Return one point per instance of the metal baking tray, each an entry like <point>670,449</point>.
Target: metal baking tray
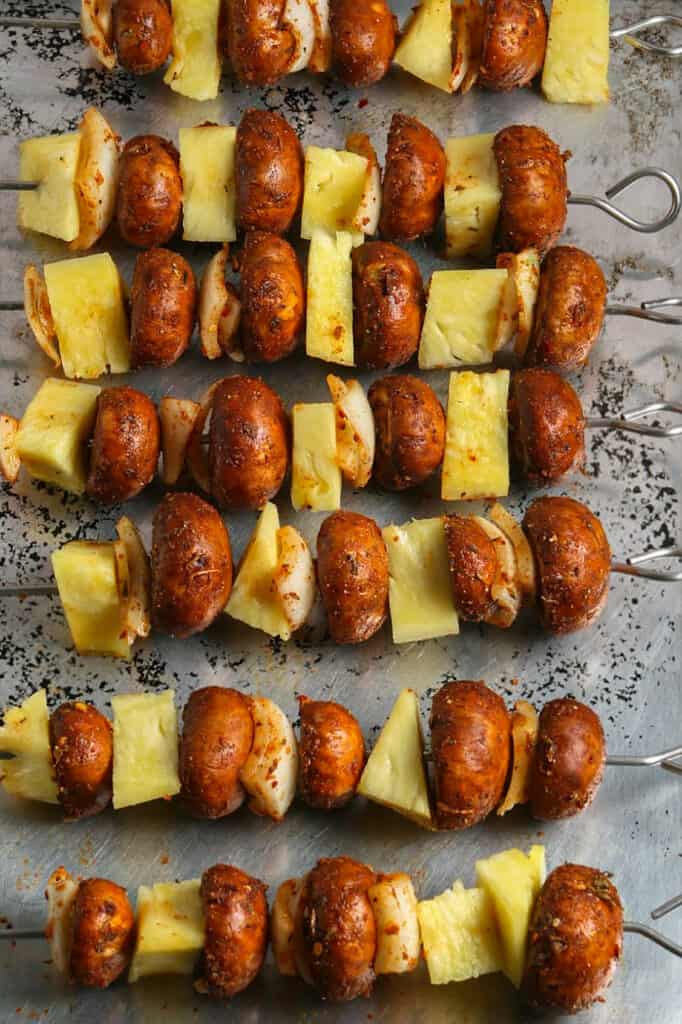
<point>627,667</point>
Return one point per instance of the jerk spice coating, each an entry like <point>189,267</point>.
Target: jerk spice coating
<point>269,162</point>
<point>410,431</point>
<point>363,40</point>
<point>149,203</point>
<point>532,172</point>
<point>572,561</point>
<point>191,565</point>
<point>102,933</point>
<point>570,310</point>
<point>163,306</point>
<point>546,425</point>
<point>575,940</point>
<point>236,916</point>
<point>259,44</point>
<point>143,34</point>
<point>82,749</point>
<point>568,761</point>
<point>272,296</point>
<point>514,43</point>
<point>352,574</point>
<point>217,735</point>
<point>125,445</point>
<point>388,306</point>
<point>414,178</point>
<point>471,748</point>
<point>473,565</point>
<point>331,751</point>
<point>335,930</point>
<point>249,441</point>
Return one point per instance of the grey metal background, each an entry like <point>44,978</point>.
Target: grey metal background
<point>627,667</point>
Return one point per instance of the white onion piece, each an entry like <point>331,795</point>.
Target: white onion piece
<point>355,435</point>
<point>321,58</point>
<point>138,613</point>
<point>177,417</point>
<point>219,311</point>
<point>197,451</point>
<point>10,463</point>
<point>270,771</point>
<point>282,926</point>
<point>505,590</point>
<point>368,212</point>
<point>39,314</point>
<point>60,893</point>
<point>299,16</point>
<point>98,32</point>
<point>96,178</point>
<point>294,579</point>
<point>525,563</point>
<point>394,905</point>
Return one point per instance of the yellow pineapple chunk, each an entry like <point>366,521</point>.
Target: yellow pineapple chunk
<point>395,775</point>
<point>333,191</point>
<point>512,880</point>
<point>425,49</point>
<point>88,584</point>
<point>52,208</point>
<point>524,727</point>
<point>419,591</point>
<point>315,471</point>
<point>329,317</point>
<point>253,599</point>
<point>195,69</point>
<point>208,183</point>
<point>54,430</point>
<point>88,309</point>
<point>459,935</point>
<point>170,929</point>
<point>476,462</point>
<point>472,196</point>
<point>576,68</point>
<point>145,748</point>
<point>25,733</point>
<point>463,314</point>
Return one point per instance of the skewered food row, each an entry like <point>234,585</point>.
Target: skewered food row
<point>466,567</point>
<point>558,938</point>
<point>500,44</point>
<point>233,748</point>
<point>238,442</point>
<point>506,191</point>
<point>363,306</point>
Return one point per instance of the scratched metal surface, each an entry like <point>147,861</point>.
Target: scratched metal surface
<point>627,667</point>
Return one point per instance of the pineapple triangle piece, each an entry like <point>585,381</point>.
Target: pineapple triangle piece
<point>25,733</point>
<point>395,775</point>
<point>513,880</point>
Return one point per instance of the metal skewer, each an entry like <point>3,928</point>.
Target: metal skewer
<point>648,310</point>
<point>665,908</point>
<point>647,227</point>
<point>631,32</point>
<point>49,24</point>
<point>629,420</point>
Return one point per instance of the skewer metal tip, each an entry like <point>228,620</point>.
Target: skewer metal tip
<point>630,33</point>
<point>635,566</point>
<point>20,934</point>
<point>646,227</point>
<point>635,928</point>
<point>629,421</point>
<point>667,907</point>
<point>47,24</point>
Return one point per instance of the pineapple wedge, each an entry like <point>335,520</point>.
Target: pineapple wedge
<point>170,929</point>
<point>52,208</point>
<point>329,318</point>
<point>395,775</point>
<point>88,584</point>
<point>88,309</point>
<point>459,935</point>
<point>425,49</point>
<point>145,748</point>
<point>394,906</point>
<point>417,553</point>
<point>208,183</point>
<point>195,68</point>
<point>333,192</point>
<point>576,68</point>
<point>315,471</point>
<point>54,431</point>
<point>512,880</point>
<point>464,313</point>
<point>524,726</point>
<point>472,196</point>
<point>476,462</point>
<point>275,585</point>
<point>25,733</point>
